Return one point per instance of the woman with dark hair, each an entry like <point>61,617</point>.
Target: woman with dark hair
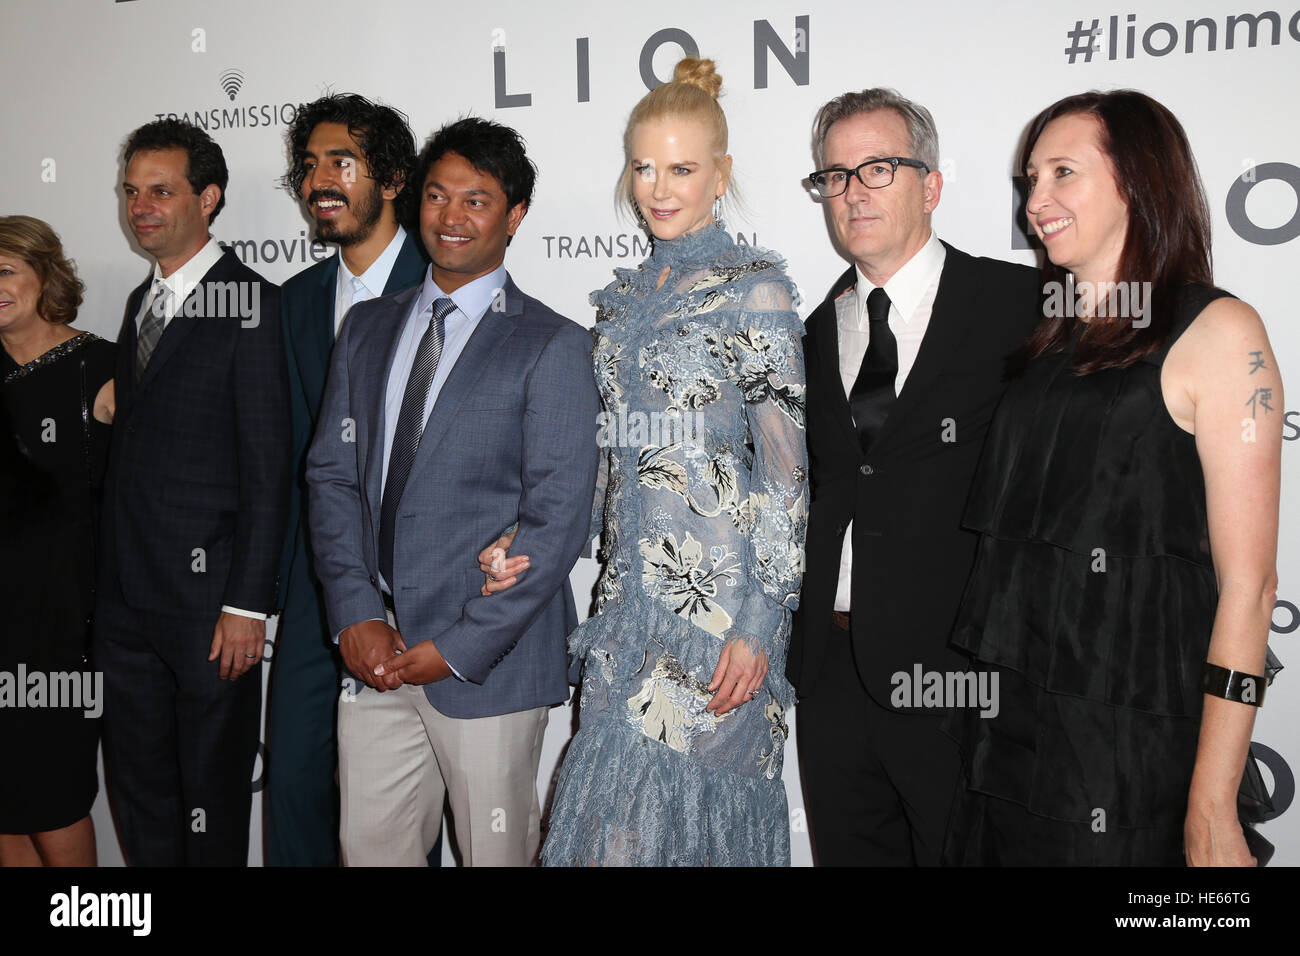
<point>1127,502</point>
<point>57,391</point>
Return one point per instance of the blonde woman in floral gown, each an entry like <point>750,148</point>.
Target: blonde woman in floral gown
<point>702,503</point>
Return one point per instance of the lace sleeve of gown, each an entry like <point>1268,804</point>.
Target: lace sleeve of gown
<point>769,370</point>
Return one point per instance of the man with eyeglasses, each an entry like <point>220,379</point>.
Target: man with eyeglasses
<point>905,361</point>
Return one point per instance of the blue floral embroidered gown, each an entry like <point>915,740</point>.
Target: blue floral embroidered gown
<point>702,502</point>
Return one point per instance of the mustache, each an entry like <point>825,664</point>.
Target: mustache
<point>318,194</point>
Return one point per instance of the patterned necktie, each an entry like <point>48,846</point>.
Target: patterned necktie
<point>410,426</point>
<point>873,391</point>
<point>151,326</point>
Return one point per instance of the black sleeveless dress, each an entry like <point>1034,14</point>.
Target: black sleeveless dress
<point>51,467</point>
<point>1092,598</point>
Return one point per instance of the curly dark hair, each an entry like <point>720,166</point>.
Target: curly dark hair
<point>34,242</point>
<point>382,132</point>
<point>206,165</point>
<point>490,148</point>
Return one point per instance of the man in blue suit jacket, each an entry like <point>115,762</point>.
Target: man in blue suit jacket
<point>349,161</point>
<point>453,411</point>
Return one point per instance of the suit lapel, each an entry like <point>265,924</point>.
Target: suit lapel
<point>492,329</point>
<point>313,325</point>
<point>126,342</point>
<point>375,353</point>
<point>828,357</point>
<point>408,269</point>
<point>949,322</point>
<point>181,325</point>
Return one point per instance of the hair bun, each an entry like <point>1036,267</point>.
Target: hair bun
<point>700,73</point>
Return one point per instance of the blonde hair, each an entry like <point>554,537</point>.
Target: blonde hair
<point>692,93</point>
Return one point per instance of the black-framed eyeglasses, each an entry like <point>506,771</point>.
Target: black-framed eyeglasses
<point>874,174</point>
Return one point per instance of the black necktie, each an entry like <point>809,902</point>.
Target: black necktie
<point>410,426</point>
<point>873,391</point>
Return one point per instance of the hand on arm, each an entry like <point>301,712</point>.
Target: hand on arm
<point>510,567</point>
<point>1224,373</point>
<point>500,568</point>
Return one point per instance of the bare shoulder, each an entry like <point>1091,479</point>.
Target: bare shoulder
<point>1224,323</point>
<point>1224,358</point>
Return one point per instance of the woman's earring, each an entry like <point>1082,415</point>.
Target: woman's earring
<point>636,211</point>
<point>717,212</point>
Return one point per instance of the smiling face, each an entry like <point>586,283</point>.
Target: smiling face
<point>465,221</point>
<point>675,176</point>
<point>881,228</point>
<point>340,194</point>
<point>169,219</point>
<point>1074,202</point>
<point>20,294</point>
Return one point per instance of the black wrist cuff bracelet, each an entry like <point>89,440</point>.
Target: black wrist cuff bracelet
<point>1233,685</point>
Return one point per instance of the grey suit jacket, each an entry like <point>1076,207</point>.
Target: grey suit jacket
<point>512,437</point>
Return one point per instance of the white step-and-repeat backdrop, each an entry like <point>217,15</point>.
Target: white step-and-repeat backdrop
<point>78,75</point>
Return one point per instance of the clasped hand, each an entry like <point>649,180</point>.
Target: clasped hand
<point>376,653</point>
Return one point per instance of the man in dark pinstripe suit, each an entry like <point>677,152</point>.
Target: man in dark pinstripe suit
<point>195,505</point>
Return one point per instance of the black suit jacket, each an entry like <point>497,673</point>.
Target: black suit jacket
<point>307,314</point>
<point>195,499</point>
<point>905,497</point>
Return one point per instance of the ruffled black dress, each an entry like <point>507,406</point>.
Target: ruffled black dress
<point>1093,598</point>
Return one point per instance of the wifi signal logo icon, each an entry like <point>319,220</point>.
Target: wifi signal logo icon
<point>232,81</point>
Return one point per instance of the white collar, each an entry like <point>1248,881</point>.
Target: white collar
<point>908,286</point>
<point>376,277</point>
<point>186,279</point>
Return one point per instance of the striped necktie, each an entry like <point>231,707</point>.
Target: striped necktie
<point>410,426</point>
<point>151,326</point>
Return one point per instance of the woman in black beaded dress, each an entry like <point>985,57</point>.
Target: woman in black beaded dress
<point>1127,502</point>
<point>57,390</point>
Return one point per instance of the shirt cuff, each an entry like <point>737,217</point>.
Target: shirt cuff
<point>255,615</point>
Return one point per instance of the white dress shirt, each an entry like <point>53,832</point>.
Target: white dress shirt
<point>178,286</point>
<point>181,282</point>
<point>911,292</point>
<point>350,289</point>
<point>472,302</point>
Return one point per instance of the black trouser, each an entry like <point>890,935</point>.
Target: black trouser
<point>879,784</point>
<point>179,742</point>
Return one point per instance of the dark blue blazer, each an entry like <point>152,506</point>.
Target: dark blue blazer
<point>307,314</point>
<point>196,495</point>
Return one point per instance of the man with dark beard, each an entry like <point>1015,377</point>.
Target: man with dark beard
<point>349,162</point>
